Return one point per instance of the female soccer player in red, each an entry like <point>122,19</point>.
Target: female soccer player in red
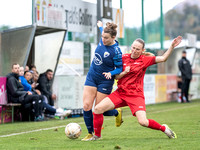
<point>130,88</point>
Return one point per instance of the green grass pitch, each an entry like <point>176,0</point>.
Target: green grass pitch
<point>184,119</point>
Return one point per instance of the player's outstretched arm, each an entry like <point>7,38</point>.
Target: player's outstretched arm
<point>165,56</point>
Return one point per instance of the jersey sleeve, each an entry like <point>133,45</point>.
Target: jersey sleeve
<point>149,60</point>
<point>117,59</point>
<point>101,29</point>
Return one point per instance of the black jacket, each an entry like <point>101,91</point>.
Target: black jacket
<point>185,68</point>
<point>44,85</point>
<point>15,90</point>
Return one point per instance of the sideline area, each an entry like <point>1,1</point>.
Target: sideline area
<point>186,106</point>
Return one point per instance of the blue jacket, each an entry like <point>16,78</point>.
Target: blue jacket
<point>24,82</point>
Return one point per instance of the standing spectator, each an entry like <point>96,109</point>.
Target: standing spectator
<point>186,75</point>
<point>17,94</point>
<point>45,83</point>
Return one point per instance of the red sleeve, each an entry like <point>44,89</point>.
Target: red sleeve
<point>149,60</point>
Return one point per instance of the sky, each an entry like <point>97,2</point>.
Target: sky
<point>16,13</point>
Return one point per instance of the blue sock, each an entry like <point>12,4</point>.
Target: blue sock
<point>113,112</point>
<point>88,118</point>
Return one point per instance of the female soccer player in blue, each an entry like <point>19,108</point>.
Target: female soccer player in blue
<point>106,64</point>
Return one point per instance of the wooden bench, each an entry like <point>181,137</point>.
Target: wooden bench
<point>12,105</point>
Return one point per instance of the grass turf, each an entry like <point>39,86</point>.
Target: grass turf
<point>184,119</point>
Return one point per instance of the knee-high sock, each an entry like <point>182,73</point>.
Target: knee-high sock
<point>155,125</point>
<point>98,122</point>
<point>113,112</point>
<point>88,118</point>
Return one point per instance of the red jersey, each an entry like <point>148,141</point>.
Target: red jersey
<point>132,82</point>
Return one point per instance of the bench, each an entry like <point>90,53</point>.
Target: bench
<point>12,105</point>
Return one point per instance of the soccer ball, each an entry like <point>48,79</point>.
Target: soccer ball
<point>73,130</point>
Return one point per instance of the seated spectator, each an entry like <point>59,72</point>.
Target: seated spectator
<point>46,107</point>
<point>17,94</point>
<point>45,83</point>
<point>26,68</point>
<point>32,68</point>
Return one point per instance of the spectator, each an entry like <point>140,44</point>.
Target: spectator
<point>45,83</point>
<point>36,76</point>
<point>186,76</point>
<point>26,68</point>
<point>33,68</point>
<point>49,110</point>
<point>17,94</point>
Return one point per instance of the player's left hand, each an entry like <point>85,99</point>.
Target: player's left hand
<point>176,41</point>
<point>107,75</point>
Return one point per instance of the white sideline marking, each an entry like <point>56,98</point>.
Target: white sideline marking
<point>31,131</point>
<point>13,134</point>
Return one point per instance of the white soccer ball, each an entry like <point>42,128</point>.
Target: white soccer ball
<point>73,130</point>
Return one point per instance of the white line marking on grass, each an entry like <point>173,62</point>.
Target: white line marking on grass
<point>13,134</point>
<point>31,131</point>
<point>25,132</point>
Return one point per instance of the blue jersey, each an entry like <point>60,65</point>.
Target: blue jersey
<point>106,59</point>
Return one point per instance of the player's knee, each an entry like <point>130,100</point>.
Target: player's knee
<point>87,106</point>
<point>98,110</point>
<point>143,122</point>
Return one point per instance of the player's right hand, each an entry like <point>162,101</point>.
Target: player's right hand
<point>99,23</point>
<point>127,69</point>
<point>107,75</point>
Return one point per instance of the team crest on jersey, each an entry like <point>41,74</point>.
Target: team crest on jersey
<point>106,54</point>
<point>97,59</point>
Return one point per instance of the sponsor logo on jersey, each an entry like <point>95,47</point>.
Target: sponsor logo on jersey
<point>97,59</point>
<point>141,107</point>
<point>106,54</point>
<point>104,89</point>
<point>136,63</point>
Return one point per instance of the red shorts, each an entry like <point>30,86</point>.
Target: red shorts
<point>135,103</point>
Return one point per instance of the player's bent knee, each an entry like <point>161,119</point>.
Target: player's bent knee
<point>87,107</point>
<point>143,123</point>
<point>98,110</point>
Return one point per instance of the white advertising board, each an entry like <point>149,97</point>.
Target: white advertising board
<point>70,91</point>
<point>149,89</point>
<point>75,16</point>
<point>71,59</point>
<point>47,14</point>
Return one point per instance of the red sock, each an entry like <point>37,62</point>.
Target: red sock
<point>155,125</point>
<point>98,122</point>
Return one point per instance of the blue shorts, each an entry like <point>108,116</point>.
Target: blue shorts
<point>103,86</point>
